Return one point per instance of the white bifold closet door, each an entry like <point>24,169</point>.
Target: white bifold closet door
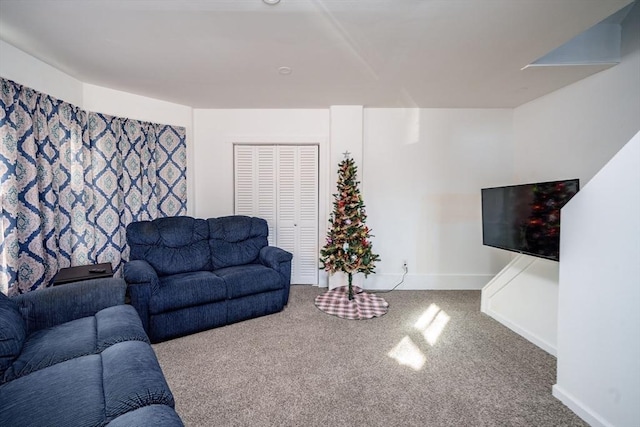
<point>280,184</point>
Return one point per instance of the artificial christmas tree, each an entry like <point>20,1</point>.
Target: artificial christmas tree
<point>348,249</point>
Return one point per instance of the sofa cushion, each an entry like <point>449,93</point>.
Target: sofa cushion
<point>249,279</point>
<point>236,240</point>
<point>80,337</point>
<point>54,345</point>
<point>186,290</point>
<point>88,390</point>
<point>171,245</point>
<point>66,394</point>
<point>13,331</point>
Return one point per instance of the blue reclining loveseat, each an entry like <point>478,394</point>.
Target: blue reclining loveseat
<point>186,275</point>
<point>75,355</point>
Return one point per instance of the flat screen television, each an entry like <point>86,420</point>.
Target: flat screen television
<point>526,218</point>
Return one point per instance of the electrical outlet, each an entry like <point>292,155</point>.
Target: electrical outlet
<point>404,266</point>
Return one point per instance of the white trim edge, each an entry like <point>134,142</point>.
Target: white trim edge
<point>578,407</point>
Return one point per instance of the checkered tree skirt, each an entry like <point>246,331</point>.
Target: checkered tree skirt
<point>362,306</point>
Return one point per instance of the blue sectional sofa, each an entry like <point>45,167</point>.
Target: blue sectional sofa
<point>186,275</point>
<point>75,355</point>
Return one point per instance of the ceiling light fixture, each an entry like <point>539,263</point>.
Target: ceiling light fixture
<point>271,2</point>
<point>284,71</point>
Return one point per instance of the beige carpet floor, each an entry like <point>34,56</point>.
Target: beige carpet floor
<point>432,360</point>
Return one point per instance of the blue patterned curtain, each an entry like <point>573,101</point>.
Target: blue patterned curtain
<point>71,182</point>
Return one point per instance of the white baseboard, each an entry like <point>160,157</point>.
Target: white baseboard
<point>385,282</point>
<point>578,408</point>
<point>524,333</point>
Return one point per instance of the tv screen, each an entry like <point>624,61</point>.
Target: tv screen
<point>526,218</point>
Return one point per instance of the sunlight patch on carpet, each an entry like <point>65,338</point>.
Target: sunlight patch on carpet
<point>408,354</point>
<point>432,323</point>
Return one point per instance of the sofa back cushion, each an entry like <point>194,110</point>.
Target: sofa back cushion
<point>13,331</point>
<point>236,240</point>
<point>171,245</point>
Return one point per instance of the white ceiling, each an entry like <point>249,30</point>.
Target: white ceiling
<point>376,53</point>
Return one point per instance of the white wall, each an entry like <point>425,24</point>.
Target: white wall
<point>31,72</point>
<point>124,104</point>
<point>570,133</point>
<point>599,314</point>
<point>217,130</point>
<point>574,131</point>
<point>424,169</point>
<point>415,199</point>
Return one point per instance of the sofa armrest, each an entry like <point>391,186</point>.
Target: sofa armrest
<point>280,261</point>
<point>272,256</point>
<point>55,305</point>
<point>142,282</point>
<point>139,271</point>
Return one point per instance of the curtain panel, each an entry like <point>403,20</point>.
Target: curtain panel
<point>72,180</point>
